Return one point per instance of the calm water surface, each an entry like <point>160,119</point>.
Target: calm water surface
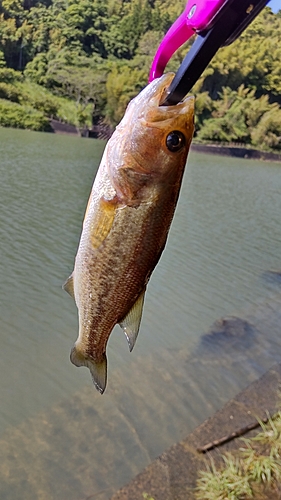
<point>225,237</point>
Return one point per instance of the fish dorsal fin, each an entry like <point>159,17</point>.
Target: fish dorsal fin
<point>131,322</point>
<point>69,286</point>
<point>98,369</point>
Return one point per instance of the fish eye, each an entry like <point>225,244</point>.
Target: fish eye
<point>175,141</point>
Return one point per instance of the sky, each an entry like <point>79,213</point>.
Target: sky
<point>275,5</point>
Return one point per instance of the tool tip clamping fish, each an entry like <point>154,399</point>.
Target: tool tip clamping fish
<point>216,23</point>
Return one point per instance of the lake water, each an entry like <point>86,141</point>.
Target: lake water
<point>58,437</point>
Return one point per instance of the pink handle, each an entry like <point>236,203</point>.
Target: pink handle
<point>174,38</point>
<point>198,15</point>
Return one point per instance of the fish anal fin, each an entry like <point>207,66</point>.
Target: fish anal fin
<point>98,369</point>
<point>68,286</point>
<point>131,322</point>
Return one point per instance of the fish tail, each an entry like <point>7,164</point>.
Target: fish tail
<point>98,369</point>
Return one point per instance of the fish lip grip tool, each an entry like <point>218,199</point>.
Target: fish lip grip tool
<point>217,23</point>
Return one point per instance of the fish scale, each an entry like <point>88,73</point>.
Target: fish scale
<point>127,221</point>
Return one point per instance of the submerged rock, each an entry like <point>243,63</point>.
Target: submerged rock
<point>272,276</point>
<point>230,331</point>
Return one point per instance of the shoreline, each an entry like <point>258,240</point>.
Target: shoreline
<point>175,471</point>
<point>104,133</point>
<point>236,152</point>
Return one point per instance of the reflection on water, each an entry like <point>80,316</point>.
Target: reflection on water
<point>59,437</point>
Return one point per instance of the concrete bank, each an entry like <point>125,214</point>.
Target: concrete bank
<point>238,152</point>
<point>173,475</point>
<point>104,132</point>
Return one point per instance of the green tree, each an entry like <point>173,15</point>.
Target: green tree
<point>267,134</point>
<point>82,85</point>
<point>122,85</point>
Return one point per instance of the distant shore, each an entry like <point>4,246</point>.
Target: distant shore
<point>236,151</point>
<point>103,132</point>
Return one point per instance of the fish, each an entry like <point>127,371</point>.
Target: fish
<point>127,220</point>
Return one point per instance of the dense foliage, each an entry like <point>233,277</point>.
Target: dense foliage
<point>81,61</point>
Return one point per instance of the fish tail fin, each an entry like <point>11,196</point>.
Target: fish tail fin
<point>98,369</point>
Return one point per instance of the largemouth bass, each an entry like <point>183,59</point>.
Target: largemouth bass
<point>127,220</point>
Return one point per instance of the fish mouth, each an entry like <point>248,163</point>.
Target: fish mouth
<point>163,92</point>
<point>146,107</point>
<point>157,112</point>
<point>164,95</point>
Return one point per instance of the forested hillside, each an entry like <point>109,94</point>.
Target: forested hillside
<point>81,61</point>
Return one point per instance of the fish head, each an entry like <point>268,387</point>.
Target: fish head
<point>151,143</point>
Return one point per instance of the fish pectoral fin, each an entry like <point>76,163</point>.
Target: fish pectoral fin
<point>131,323</point>
<point>68,286</point>
<point>98,369</point>
<point>102,223</point>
